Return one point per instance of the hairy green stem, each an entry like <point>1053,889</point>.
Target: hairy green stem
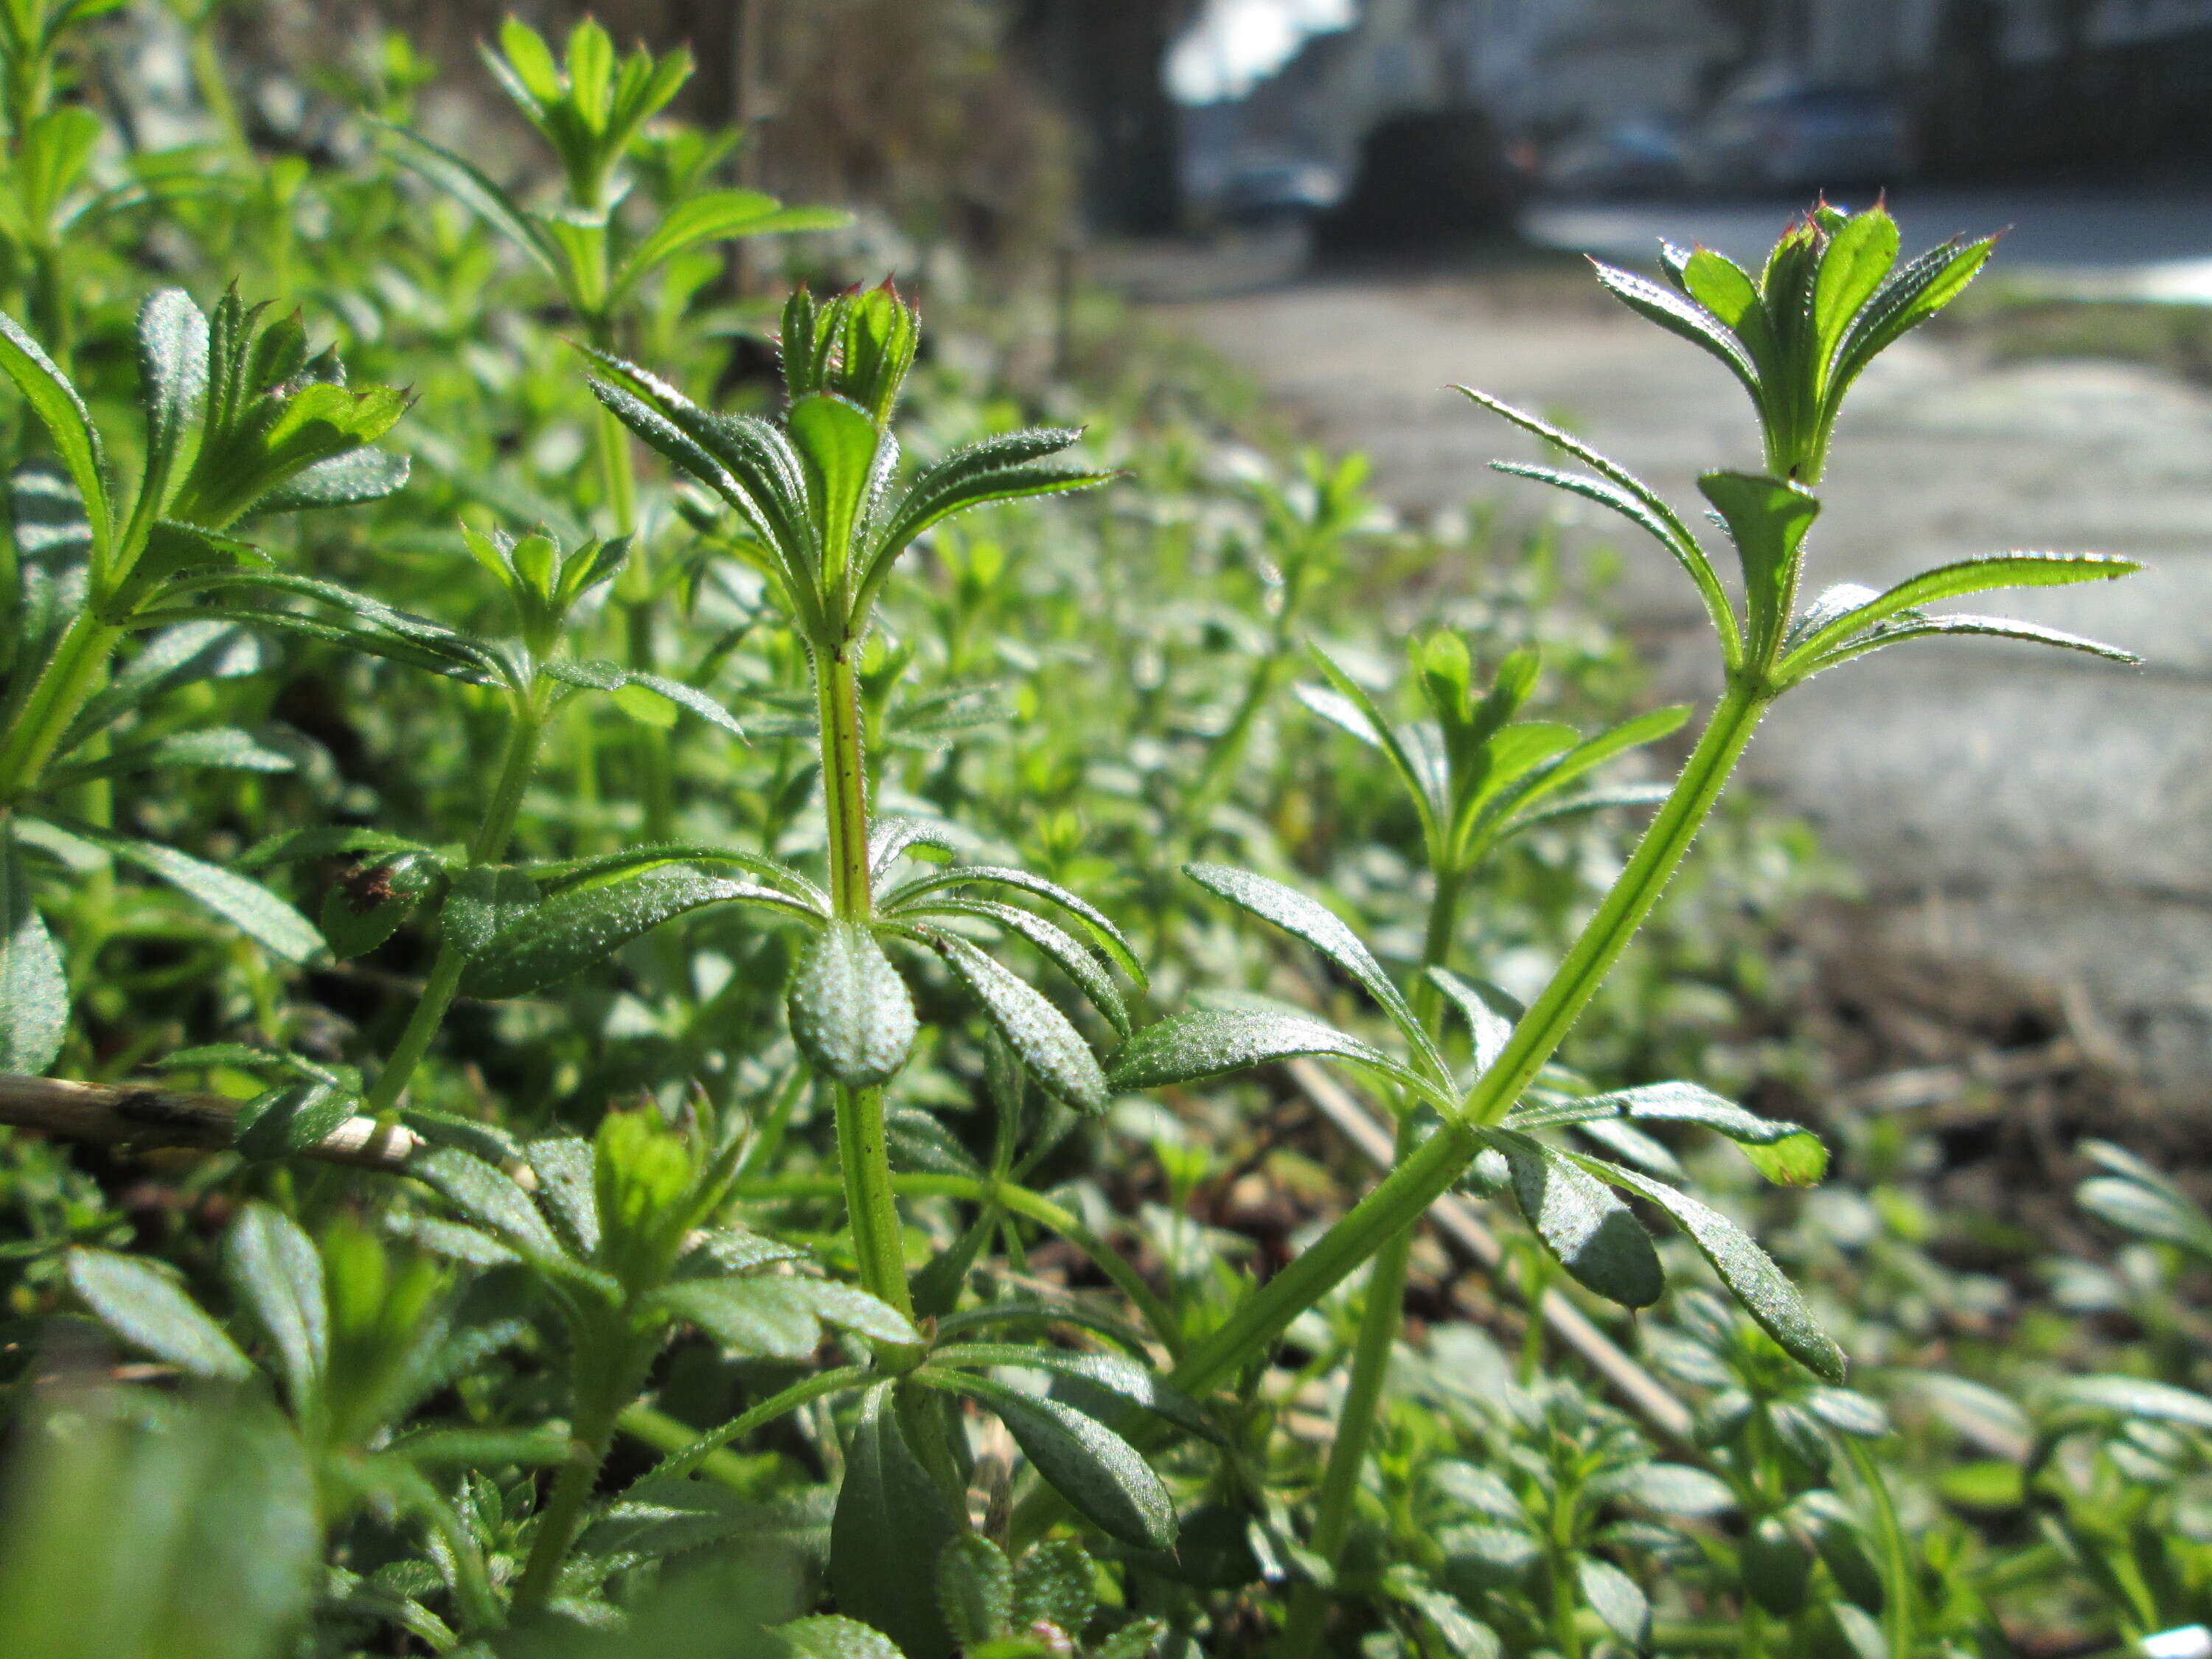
<point>844,778</point>
<point>68,678</point>
<point>688,1449</point>
<point>485,846</point>
<point>1221,760</point>
<point>863,1151</point>
<point>870,1201</point>
<point>1417,1182</point>
<point>610,442</point>
<point>590,1434</point>
<point>1380,1322</point>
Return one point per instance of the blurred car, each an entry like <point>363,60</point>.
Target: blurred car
<point>1645,156</point>
<point>1800,138</point>
<point>1274,192</point>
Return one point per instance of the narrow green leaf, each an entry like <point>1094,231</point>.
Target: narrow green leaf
<point>851,1309</point>
<point>2140,1199</point>
<point>360,475</point>
<point>1596,1236</point>
<point>1857,260</point>
<point>851,1014</point>
<point>1767,520</point>
<point>1676,533</point>
<point>1339,711</point>
<point>482,902</point>
<point>454,659</point>
<point>1423,783</point>
<point>599,675</point>
<point>570,932</point>
<point>1848,1412</point>
<point>469,185</point>
<point>67,422</point>
<point>719,216</point>
<point>248,906</point>
<point>1585,757</point>
<point>833,1636</point>
<point>1669,1488</point>
<point>837,442</point>
<point>1490,1029</point>
<point>566,1185</point>
<point>1950,581</point>
<point>1746,1269</point>
<point>220,748</point>
<point>1052,1050</point>
<point>1915,292</point>
<point>1617,1599</point>
<point>1595,800</point>
<point>1000,469</point>
<point>530,62</point>
<point>277,1276</point>
<point>488,1196</point>
<point>145,1309</point>
<point>1109,937</point>
<point>1104,1477</point>
<point>1921,627</point>
<point>890,839</point>
<point>1781,1151</point>
<point>1319,926</point>
<point>556,876</point>
<point>892,1525</point>
<point>1112,1373</point>
<point>688,697</point>
<point>1725,288</point>
<point>34,994</point>
<point>1687,554</point>
<point>1210,1043</point>
<point>974,1590</point>
<point>1681,316</point>
<point>192,651</point>
<point>758,1317</point>
<point>2133,1396</point>
<point>173,368</point>
<point>1072,956</point>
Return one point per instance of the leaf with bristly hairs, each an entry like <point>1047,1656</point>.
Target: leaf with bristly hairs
<point>1595,1236</point>
<point>145,1308</point>
<point>1051,1048</point>
<point>1747,1271</point>
<point>1321,927</point>
<point>1210,1043</point>
<point>851,1014</point>
<point>1104,1477</point>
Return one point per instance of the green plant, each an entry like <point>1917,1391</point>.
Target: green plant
<point>1766,649</point>
<point>239,421</point>
<point>578,1364</point>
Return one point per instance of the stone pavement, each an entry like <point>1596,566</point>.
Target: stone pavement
<point>2038,809</point>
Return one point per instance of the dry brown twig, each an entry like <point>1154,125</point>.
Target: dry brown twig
<point>144,1117</point>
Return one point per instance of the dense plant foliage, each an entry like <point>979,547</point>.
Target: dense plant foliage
<point>648,1026</point>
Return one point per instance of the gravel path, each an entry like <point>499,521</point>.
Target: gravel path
<point>2040,810</point>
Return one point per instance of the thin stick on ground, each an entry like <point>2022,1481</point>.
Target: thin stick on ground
<point>143,1115</point>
